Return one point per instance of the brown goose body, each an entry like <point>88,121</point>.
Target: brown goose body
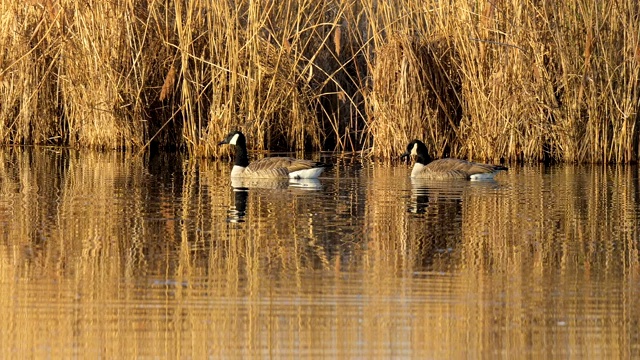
<point>445,169</point>
<point>277,167</point>
<point>271,167</point>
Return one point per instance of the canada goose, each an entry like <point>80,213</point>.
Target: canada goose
<point>444,169</point>
<point>270,167</point>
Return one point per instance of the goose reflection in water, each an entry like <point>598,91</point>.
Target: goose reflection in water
<point>427,194</point>
<point>241,188</point>
<point>436,215</point>
<point>237,212</point>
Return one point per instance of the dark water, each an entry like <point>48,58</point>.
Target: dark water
<point>113,256</point>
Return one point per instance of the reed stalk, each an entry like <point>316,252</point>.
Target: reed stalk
<point>525,81</point>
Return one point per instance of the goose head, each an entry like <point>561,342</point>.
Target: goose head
<point>416,148</point>
<point>234,138</point>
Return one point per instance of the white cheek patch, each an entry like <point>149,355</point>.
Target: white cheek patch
<point>414,150</point>
<point>234,139</point>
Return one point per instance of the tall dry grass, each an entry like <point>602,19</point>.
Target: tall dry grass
<point>484,80</point>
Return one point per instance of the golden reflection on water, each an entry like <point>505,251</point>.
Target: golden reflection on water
<point>115,256</point>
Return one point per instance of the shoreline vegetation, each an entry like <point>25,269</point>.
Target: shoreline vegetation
<point>488,80</point>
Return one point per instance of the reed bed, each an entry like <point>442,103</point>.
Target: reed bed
<point>513,81</point>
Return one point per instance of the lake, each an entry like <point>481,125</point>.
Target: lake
<point>107,255</point>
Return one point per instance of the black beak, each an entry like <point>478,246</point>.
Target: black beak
<point>222,142</point>
<point>405,156</point>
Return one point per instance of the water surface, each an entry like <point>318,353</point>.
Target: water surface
<point>113,256</point>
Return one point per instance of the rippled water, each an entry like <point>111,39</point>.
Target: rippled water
<point>114,256</point>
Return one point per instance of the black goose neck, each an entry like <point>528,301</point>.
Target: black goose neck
<point>241,154</point>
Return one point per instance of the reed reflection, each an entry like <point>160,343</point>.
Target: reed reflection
<point>124,257</point>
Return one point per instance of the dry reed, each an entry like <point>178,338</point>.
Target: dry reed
<point>483,80</point>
